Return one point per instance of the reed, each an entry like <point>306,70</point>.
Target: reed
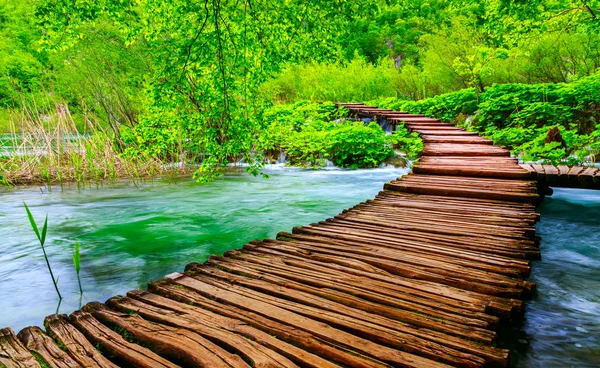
<point>50,150</point>
<point>42,239</point>
<point>77,264</point>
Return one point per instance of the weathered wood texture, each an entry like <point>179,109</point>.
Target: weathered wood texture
<point>564,176</point>
<point>420,276</point>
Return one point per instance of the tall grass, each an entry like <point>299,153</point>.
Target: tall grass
<point>50,149</point>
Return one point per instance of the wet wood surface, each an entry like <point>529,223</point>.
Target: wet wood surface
<point>423,275</point>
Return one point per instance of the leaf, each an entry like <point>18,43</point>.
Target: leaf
<point>32,222</point>
<point>44,231</point>
<point>77,258</point>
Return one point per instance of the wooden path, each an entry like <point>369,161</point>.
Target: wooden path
<point>420,276</point>
<point>546,175</point>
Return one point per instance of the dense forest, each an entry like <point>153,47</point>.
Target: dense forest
<point>138,84</point>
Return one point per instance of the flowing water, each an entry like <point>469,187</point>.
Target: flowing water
<point>131,235</point>
<point>562,322</point>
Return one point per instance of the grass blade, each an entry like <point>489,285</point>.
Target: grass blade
<point>77,257</point>
<point>44,231</point>
<point>32,222</point>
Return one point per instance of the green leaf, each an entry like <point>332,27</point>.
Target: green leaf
<point>44,231</point>
<point>77,258</point>
<point>32,222</point>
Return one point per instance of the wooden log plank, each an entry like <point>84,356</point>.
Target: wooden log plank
<point>34,339</point>
<point>487,285</point>
<point>121,349</point>
<point>377,236</point>
<point>420,267</point>
<point>410,209</point>
<point>343,268</point>
<point>385,337</point>
<point>460,240</point>
<point>12,352</point>
<point>563,175</point>
<point>461,192</point>
<point>447,132</point>
<point>185,347</point>
<point>470,171</point>
<point>342,354</point>
<point>586,178</point>
<point>74,343</point>
<point>521,267</point>
<point>364,346</point>
<point>447,225</point>
<point>352,307</point>
<point>532,172</point>
<point>551,173</point>
<point>480,202</point>
<point>420,203</point>
<point>574,175</point>
<point>465,323</point>
<point>166,311</point>
<point>472,258</point>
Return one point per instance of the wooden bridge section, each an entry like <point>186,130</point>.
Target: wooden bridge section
<point>420,276</point>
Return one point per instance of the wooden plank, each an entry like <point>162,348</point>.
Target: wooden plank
<point>349,307</point>
<point>574,175</point>
<point>114,344</point>
<point>166,311</point>
<point>342,270</point>
<point>586,178</point>
<point>12,352</point>
<point>231,295</point>
<point>189,348</point>
<point>551,174</point>
<point>461,192</point>
<point>34,339</point>
<point>342,354</point>
<point>74,343</point>
<point>470,323</point>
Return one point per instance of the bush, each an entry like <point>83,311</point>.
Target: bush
<point>310,133</point>
<point>353,145</point>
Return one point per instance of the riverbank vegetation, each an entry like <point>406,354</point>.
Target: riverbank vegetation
<point>552,122</point>
<point>152,86</point>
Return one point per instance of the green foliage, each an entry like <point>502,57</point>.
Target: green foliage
<point>310,133</point>
<point>191,81</point>
<point>519,116</point>
<point>354,145</point>
<point>356,80</point>
<point>77,264</point>
<point>404,140</point>
<point>42,239</point>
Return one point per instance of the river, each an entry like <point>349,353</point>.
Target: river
<point>130,235</point>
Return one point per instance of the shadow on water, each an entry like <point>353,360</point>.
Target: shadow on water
<point>561,327</point>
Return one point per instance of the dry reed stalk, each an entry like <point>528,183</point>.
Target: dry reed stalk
<point>52,151</point>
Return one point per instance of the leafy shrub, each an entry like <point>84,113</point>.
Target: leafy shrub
<point>355,145</point>
<point>310,133</point>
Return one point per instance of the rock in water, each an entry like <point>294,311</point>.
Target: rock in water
<point>397,161</point>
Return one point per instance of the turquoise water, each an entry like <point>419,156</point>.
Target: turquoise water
<point>562,322</point>
<point>131,235</point>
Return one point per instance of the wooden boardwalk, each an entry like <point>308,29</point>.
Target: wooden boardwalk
<point>420,276</point>
<point>435,133</point>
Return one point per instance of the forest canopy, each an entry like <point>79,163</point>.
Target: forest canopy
<point>196,80</point>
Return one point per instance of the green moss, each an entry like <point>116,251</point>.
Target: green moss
<point>41,361</point>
